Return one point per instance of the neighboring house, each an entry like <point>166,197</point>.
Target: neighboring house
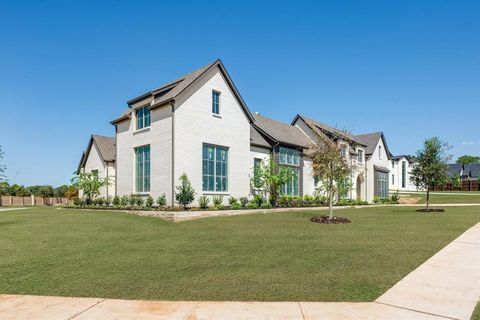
<point>400,168</point>
<point>465,171</point>
<point>199,124</point>
<point>100,156</point>
<point>352,150</point>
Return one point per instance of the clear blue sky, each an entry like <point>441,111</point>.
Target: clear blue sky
<point>408,68</point>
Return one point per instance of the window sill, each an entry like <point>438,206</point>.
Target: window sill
<point>141,130</point>
<point>214,193</point>
<point>141,194</point>
<point>216,116</point>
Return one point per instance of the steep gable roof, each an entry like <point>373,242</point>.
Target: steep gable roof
<point>371,141</point>
<point>281,132</point>
<point>173,89</point>
<point>106,147</point>
<point>326,129</point>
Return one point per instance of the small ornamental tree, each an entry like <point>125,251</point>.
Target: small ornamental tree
<point>430,168</point>
<point>456,181</point>
<point>268,179</point>
<point>185,193</point>
<point>90,183</point>
<point>331,167</point>
<point>71,192</point>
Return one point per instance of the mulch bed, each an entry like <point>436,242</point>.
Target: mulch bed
<point>430,210</point>
<point>327,220</point>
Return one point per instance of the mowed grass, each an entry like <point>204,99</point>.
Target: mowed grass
<point>261,257</point>
<point>439,198</point>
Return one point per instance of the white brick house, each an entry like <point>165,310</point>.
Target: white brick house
<point>199,124</point>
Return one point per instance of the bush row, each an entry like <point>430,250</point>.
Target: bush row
<point>135,202</point>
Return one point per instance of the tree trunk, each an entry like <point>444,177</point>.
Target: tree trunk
<point>428,198</point>
<point>330,205</point>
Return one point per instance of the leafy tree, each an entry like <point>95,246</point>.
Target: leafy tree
<point>430,169</point>
<point>185,193</point>
<point>268,180</point>
<point>4,187</point>
<point>456,181</point>
<point>331,168</point>
<point>59,192</point>
<point>71,192</point>
<point>18,191</point>
<point>2,166</point>
<point>90,183</point>
<point>46,191</point>
<point>466,159</point>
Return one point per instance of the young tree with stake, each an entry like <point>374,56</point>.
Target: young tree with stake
<point>430,168</point>
<point>331,167</point>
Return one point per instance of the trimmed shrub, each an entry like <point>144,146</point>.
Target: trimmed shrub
<point>124,201</point>
<point>132,200</point>
<point>236,206</point>
<point>243,202</point>
<point>266,205</point>
<point>203,202</point>
<point>217,200</point>
<point>139,201</point>
<point>376,199</point>
<point>162,201</point>
<point>149,202</point>
<point>395,197</point>
<point>258,200</point>
<point>252,205</point>
<point>232,201</point>
<point>220,207</point>
<point>116,201</point>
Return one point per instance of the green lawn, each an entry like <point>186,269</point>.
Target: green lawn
<point>267,257</point>
<point>436,198</point>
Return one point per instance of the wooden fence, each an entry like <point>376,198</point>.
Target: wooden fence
<point>468,185</point>
<point>33,201</point>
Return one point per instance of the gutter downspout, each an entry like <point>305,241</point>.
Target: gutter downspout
<point>172,104</point>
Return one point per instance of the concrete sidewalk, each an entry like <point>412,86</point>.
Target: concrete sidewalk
<point>447,286</point>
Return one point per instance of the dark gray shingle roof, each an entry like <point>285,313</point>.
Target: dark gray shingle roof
<point>282,132</point>
<point>257,139</point>
<point>171,90</point>
<point>370,140</point>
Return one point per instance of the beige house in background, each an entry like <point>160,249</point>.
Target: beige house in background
<point>100,156</point>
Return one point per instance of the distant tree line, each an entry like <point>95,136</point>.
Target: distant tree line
<point>63,191</point>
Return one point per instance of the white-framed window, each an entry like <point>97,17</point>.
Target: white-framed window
<point>215,102</point>
<point>343,151</point>
<point>142,169</point>
<point>257,162</point>
<point>360,156</point>
<point>143,117</point>
<point>214,168</point>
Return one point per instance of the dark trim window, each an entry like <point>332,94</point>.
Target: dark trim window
<point>291,188</point>
<point>215,102</point>
<point>289,156</point>
<point>393,179</point>
<point>143,117</point>
<point>256,171</point>
<point>214,168</point>
<point>360,156</point>
<point>142,169</point>
<point>382,184</point>
<point>404,174</point>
